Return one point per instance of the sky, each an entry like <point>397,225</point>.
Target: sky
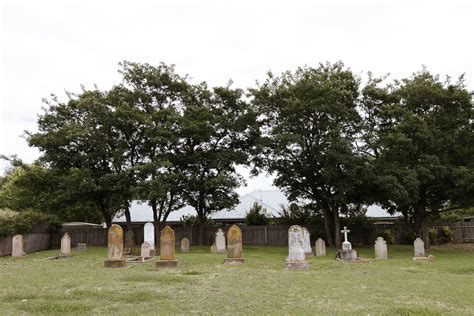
<point>49,47</point>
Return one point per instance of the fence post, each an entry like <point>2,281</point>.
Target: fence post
<point>266,235</point>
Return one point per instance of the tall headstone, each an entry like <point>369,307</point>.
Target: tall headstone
<point>149,236</point>
<point>66,245</point>
<point>220,241</point>
<point>296,253</point>
<point>307,242</point>
<point>184,245</point>
<point>167,249</point>
<point>17,246</point>
<point>320,248</point>
<point>419,246</point>
<point>234,246</point>
<point>115,248</point>
<point>380,248</point>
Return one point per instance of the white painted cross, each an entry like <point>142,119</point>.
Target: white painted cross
<point>345,231</point>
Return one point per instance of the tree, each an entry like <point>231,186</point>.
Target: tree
<point>311,127</point>
<point>257,215</point>
<point>418,133</point>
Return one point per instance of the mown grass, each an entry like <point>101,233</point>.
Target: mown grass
<point>202,284</point>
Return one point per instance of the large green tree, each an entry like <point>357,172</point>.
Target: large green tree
<point>311,127</point>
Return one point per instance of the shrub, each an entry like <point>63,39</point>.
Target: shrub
<point>432,234</point>
<point>192,220</point>
<point>257,215</point>
<point>23,222</point>
<point>445,235</point>
<point>388,236</point>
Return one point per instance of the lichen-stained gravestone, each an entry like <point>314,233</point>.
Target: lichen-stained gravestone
<point>234,246</point>
<point>380,248</point>
<point>167,249</point>
<point>17,246</point>
<point>66,245</point>
<point>320,248</point>
<point>220,241</point>
<point>115,248</point>
<point>296,253</point>
<point>184,247</point>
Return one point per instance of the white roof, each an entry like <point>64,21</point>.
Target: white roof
<point>271,201</point>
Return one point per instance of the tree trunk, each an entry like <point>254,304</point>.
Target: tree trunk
<point>157,223</point>
<point>108,221</point>
<point>420,223</point>
<point>337,229</point>
<point>128,220</point>
<point>328,227</point>
<point>201,222</point>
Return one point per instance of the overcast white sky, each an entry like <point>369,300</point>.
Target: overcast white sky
<point>53,46</point>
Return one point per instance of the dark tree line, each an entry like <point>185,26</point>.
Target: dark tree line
<point>331,142</point>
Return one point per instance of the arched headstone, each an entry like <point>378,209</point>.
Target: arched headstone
<point>17,246</point>
<point>167,249</point>
<point>115,248</point>
<point>380,248</point>
<point>184,245</point>
<point>296,253</point>
<point>66,245</point>
<point>234,246</point>
<point>320,248</point>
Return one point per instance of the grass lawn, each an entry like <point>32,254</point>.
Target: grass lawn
<point>399,286</point>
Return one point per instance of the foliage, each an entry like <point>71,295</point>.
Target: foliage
<point>192,220</point>
<point>445,235</point>
<point>388,236</point>
<point>432,234</point>
<point>257,215</point>
<point>22,223</point>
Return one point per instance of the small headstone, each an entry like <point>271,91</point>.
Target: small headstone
<point>307,242</point>
<point>149,236</point>
<point>380,248</point>
<point>220,241</point>
<point>145,251</point>
<point>296,253</point>
<point>17,246</point>
<point>115,248</point>
<point>66,245</point>
<point>234,246</point>
<point>320,248</point>
<point>167,249</point>
<point>81,246</point>
<point>419,246</point>
<point>213,249</point>
<point>184,245</point>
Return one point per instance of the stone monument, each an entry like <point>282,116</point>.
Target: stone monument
<point>167,249</point>
<point>346,253</point>
<point>17,246</point>
<point>296,253</point>
<point>234,246</point>
<point>380,249</point>
<point>145,252</point>
<point>115,248</point>
<point>320,246</point>
<point>184,245</point>
<point>220,241</point>
<point>149,236</point>
<point>65,245</point>
<point>307,242</point>
<point>419,246</point>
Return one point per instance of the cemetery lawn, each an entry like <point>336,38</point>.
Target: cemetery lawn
<point>80,284</point>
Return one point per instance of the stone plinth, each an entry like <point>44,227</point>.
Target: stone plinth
<point>347,254</point>
<point>167,263</point>
<point>234,261</point>
<point>114,263</point>
<point>297,265</point>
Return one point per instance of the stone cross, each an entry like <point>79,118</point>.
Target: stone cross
<point>345,231</point>
<point>346,245</point>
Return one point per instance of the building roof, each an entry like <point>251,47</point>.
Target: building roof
<point>271,201</point>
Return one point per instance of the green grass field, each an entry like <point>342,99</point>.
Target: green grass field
<point>399,286</point>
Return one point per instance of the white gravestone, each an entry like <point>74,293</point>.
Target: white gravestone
<point>307,242</point>
<point>145,250</point>
<point>66,245</point>
<point>220,241</point>
<point>149,234</point>
<point>17,246</point>
<point>320,248</point>
<point>346,245</point>
<point>419,247</point>
<point>296,255</point>
<point>380,248</point>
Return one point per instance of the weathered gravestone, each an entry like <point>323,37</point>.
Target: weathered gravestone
<point>213,249</point>
<point>65,245</point>
<point>184,245</point>
<point>307,242</point>
<point>149,236</point>
<point>115,248</point>
<point>234,246</point>
<point>320,247</point>
<point>167,249</point>
<point>145,252</point>
<point>220,241</point>
<point>419,246</point>
<point>380,248</point>
<point>296,253</point>
<point>17,246</point>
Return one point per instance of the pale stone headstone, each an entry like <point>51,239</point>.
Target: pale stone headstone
<point>380,248</point>
<point>234,246</point>
<point>419,246</point>
<point>346,245</point>
<point>213,249</point>
<point>17,246</point>
<point>149,234</point>
<point>296,251</point>
<point>307,242</point>
<point>66,245</point>
<point>320,248</point>
<point>220,241</point>
<point>167,249</point>
<point>184,245</point>
<point>115,248</point>
<point>145,250</point>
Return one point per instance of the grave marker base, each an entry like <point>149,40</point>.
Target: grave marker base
<point>234,261</point>
<point>118,263</point>
<point>167,263</point>
<point>297,265</point>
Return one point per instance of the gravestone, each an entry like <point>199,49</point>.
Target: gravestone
<point>81,246</point>
<point>296,253</point>
<point>17,246</point>
<point>220,241</point>
<point>65,245</point>
<point>380,248</point>
<point>145,251</point>
<point>149,236</point>
<point>184,245</point>
<point>167,249</point>
<point>346,253</point>
<point>129,243</point>
<point>419,246</point>
<point>346,245</point>
<point>307,242</point>
<point>115,248</point>
<point>320,247</point>
<point>234,246</point>
<point>213,249</point>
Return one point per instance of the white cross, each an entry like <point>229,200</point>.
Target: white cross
<point>345,231</point>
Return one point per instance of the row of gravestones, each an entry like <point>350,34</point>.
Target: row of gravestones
<point>18,246</point>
